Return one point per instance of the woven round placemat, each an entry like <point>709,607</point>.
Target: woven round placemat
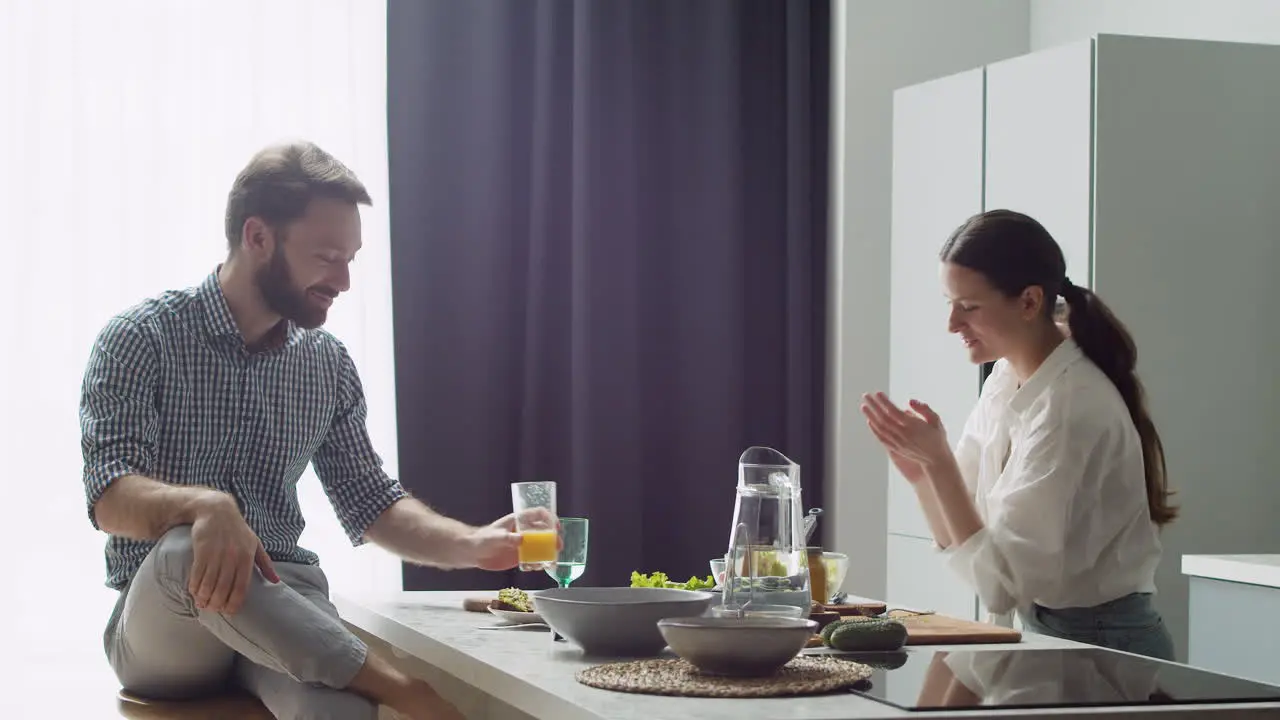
<point>800,676</point>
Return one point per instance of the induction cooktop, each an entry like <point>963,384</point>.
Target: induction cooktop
<point>923,679</point>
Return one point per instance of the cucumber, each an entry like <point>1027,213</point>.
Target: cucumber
<point>831,627</point>
<point>868,635</point>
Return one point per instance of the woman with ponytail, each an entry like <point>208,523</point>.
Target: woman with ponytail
<point>1051,501</point>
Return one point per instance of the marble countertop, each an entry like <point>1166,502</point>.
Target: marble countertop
<point>1251,569</point>
<point>525,669</point>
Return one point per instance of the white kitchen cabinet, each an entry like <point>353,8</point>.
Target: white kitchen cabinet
<point>1155,162</point>
<point>937,164</point>
<point>1230,596</point>
<point>919,579</point>
<point>1038,139</point>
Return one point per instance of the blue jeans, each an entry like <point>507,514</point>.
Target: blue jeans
<point>1130,624</point>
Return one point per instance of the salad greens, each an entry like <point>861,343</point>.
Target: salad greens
<point>660,580</point>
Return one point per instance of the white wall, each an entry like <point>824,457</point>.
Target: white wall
<point>1054,22</point>
<point>122,131</point>
<point>879,46</point>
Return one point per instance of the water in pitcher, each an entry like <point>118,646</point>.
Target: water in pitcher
<point>768,568</point>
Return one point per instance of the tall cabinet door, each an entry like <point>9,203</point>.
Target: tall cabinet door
<point>1187,228</point>
<point>937,184</point>
<point>1039,151</point>
<point>1040,145</point>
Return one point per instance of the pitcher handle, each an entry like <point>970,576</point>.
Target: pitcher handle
<point>741,541</point>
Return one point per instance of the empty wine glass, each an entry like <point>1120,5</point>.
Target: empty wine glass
<point>571,561</point>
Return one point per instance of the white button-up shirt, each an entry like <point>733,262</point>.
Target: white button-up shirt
<point>1056,471</point>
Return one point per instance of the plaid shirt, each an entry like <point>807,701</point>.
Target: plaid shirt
<point>172,393</point>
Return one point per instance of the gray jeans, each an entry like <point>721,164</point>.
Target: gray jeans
<point>1130,624</point>
<point>286,644</point>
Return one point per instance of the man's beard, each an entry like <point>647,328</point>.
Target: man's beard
<point>286,299</point>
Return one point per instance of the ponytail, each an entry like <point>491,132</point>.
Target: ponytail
<point>1105,341</point>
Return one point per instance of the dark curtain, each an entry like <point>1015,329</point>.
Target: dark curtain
<point>609,228</point>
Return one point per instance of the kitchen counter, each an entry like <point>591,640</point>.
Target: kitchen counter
<point>525,671</point>
<point>1261,570</point>
<point>1232,601</point>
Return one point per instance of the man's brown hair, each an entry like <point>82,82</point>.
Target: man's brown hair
<point>280,181</point>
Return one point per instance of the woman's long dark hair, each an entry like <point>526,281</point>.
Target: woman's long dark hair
<point>1014,252</point>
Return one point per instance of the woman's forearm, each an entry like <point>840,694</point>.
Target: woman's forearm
<point>958,513</point>
<point>932,512</point>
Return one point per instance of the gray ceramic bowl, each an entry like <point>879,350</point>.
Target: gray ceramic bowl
<point>740,647</point>
<point>617,621</point>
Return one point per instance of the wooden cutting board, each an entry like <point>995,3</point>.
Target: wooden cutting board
<point>932,629</point>
<point>945,630</point>
<point>860,607</point>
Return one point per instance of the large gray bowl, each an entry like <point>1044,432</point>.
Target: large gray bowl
<point>740,647</point>
<point>617,621</point>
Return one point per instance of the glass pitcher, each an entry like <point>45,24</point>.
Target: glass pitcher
<point>767,568</point>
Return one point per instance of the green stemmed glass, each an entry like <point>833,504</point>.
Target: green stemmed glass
<point>571,561</point>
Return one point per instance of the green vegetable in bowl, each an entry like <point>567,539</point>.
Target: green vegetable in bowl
<point>660,580</point>
<point>766,564</point>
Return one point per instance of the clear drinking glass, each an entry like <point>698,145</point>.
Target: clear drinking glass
<point>572,560</point>
<point>534,505</point>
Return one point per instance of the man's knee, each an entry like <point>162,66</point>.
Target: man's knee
<point>173,555</point>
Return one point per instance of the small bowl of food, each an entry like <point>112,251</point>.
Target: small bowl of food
<point>753,646</point>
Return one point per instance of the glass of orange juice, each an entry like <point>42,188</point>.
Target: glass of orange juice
<point>534,504</point>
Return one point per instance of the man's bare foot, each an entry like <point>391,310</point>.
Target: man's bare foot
<point>412,698</point>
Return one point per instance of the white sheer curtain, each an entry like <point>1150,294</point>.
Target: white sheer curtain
<point>123,125</point>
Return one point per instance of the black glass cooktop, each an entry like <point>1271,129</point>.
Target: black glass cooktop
<point>925,679</point>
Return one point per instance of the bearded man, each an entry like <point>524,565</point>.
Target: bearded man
<point>200,410</point>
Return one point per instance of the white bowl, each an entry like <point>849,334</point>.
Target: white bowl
<point>745,647</point>
<point>617,621</point>
<point>718,567</point>
<point>515,617</point>
<point>837,565</point>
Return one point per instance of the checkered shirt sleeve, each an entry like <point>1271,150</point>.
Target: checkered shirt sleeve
<point>117,415</point>
<point>349,468</point>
